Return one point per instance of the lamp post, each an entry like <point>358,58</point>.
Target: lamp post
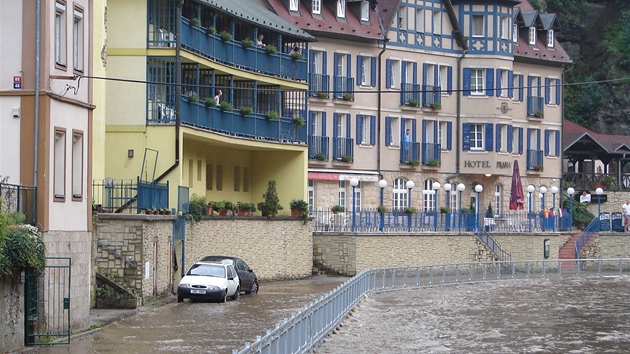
<point>478,189</point>
<point>543,191</point>
<point>409,186</point>
<point>436,188</point>
<point>460,188</point>
<point>447,188</point>
<point>554,190</point>
<point>382,184</point>
<point>571,192</point>
<point>354,183</point>
<point>530,190</point>
<point>599,193</point>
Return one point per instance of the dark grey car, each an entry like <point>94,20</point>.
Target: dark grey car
<point>249,281</point>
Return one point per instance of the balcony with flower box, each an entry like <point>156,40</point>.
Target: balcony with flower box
<point>535,106</point>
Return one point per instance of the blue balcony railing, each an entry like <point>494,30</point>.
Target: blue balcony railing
<point>431,153</point>
<point>431,95</point>
<point>535,106</point>
<point>410,95</point>
<point>233,53</point>
<point>409,152</point>
<point>318,147</point>
<point>318,83</point>
<point>535,160</point>
<point>343,86</point>
<point>255,125</point>
<point>343,148</point>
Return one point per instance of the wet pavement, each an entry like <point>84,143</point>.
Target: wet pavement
<point>555,315</point>
<point>196,327</point>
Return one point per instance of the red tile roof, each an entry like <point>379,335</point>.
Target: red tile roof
<point>573,132</point>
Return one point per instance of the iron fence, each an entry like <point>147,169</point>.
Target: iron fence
<point>306,329</point>
<point>20,199</point>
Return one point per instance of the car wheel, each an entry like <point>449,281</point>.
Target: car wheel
<point>236,293</point>
<point>224,297</point>
<point>180,299</point>
<point>254,289</point>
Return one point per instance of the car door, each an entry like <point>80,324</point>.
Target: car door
<point>233,281</point>
<point>245,274</point>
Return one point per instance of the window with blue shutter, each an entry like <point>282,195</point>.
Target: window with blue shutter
<point>520,90</point>
<point>520,141</point>
<point>413,130</point>
<point>388,131</point>
<point>424,130</point>
<point>538,139</point>
<point>449,135</point>
<point>311,131</point>
<point>558,93</point>
<point>547,142</point>
<point>490,83</point>
<point>359,70</point>
<point>403,78</point>
<point>359,127</point>
<point>335,62</point>
<point>424,74</point>
<point>324,133</point>
<point>388,73</point>
<point>415,73</point>
<point>529,86</point>
<point>498,137</point>
<point>466,136</point>
<point>373,71</point>
<point>489,135</point>
<point>557,143</point>
<point>372,130</point>
<point>311,58</point>
<point>510,89</point>
<point>510,138</point>
<point>466,84</point>
<point>348,125</point>
<point>547,90</point>
<point>449,80</point>
<point>529,138</point>
<point>324,63</point>
<point>349,66</point>
<point>435,132</point>
<point>499,72</point>
<point>539,85</point>
<point>335,125</point>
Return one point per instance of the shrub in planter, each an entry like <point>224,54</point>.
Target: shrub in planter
<point>197,207</point>
<point>321,156</point>
<point>271,205</point>
<point>346,158</point>
<point>225,207</point>
<point>445,209</point>
<point>226,106</point>
<point>271,49</point>
<point>414,163</point>
<point>299,208</point>
<point>246,111</point>
<point>244,208</point>
<point>299,121</point>
<point>272,115</point>
<point>436,106</point>
<point>297,56</point>
<point>195,22</point>
<point>413,103</point>
<point>410,210</point>
<point>210,102</point>
<point>194,99</point>
<point>434,163</point>
<point>348,97</point>
<point>337,209</point>
<point>322,95</point>
<point>212,30</point>
<point>247,43</point>
<point>382,209</point>
<point>225,35</point>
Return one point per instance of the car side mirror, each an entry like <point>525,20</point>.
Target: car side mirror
<point>231,278</point>
<point>250,270</point>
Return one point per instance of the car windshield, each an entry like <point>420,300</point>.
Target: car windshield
<point>209,270</point>
<point>217,259</point>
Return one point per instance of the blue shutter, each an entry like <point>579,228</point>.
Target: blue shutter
<point>538,138</point>
<point>324,133</point>
<point>499,71</point>
<point>324,63</point>
<point>557,143</point>
<point>413,130</point>
<point>436,74</point>
<point>520,141</point>
<point>466,83</point>
<point>529,137</point>
<point>403,78</point>
<point>466,136</point>
<point>311,58</point>
<point>489,82</point>
<point>349,66</point>
<point>415,73</point>
<point>449,80</point>
<point>449,135</point>
<point>310,123</point>
<point>498,137</point>
<point>335,125</point>
<point>335,62</point>
<point>558,93</point>
<point>388,131</point>
<point>510,84</point>
<point>348,125</point>
<point>489,136</point>
<point>372,130</point>
<point>402,130</point>
<point>424,131</point>
<point>520,90</point>
<point>539,85</point>
<point>373,71</point>
<point>435,132</point>
<point>388,73</point>
<point>359,127</point>
<point>547,90</point>
<point>547,142</point>
<point>510,138</point>
<point>529,86</point>
<point>424,74</point>
<point>359,71</point>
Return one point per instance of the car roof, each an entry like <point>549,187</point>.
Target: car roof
<point>213,263</point>
<point>222,257</point>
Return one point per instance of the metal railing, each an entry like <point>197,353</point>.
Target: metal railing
<point>20,199</point>
<point>431,154</point>
<point>535,160</point>
<point>431,95</point>
<point>587,235</point>
<point>410,94</point>
<point>535,106</point>
<point>318,147</point>
<point>410,153</point>
<point>343,149</point>
<point>318,83</point>
<point>343,87</point>
<point>306,329</point>
<point>369,220</point>
<point>128,196</point>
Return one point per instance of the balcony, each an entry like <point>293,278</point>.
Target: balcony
<point>343,149</point>
<point>318,83</point>
<point>535,106</point>
<point>343,88</point>
<point>233,122</point>
<point>534,160</point>
<point>410,153</point>
<point>410,95</point>
<point>431,96</point>
<point>431,154</point>
<point>232,53</point>
<point>318,148</point>
<point>20,199</point>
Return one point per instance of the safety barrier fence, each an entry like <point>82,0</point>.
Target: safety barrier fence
<point>306,329</point>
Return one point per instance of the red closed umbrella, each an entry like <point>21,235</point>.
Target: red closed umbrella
<point>517,199</point>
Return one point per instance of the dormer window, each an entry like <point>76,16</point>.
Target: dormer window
<point>293,5</point>
<point>515,33</point>
<point>365,11</point>
<point>341,8</point>
<point>317,7</point>
<point>477,26</point>
<point>504,28</point>
<point>532,35</point>
<point>550,38</point>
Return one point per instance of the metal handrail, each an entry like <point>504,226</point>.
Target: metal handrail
<point>591,230</point>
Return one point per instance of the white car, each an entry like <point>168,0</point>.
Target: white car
<point>209,281</point>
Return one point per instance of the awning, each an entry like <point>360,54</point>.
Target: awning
<point>323,176</point>
<point>361,178</point>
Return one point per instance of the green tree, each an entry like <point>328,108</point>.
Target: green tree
<point>271,205</point>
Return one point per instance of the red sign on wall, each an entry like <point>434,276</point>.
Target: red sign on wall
<point>17,82</point>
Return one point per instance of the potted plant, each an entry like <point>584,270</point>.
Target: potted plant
<point>271,205</point>
<point>247,43</point>
<point>436,106</point>
<point>608,181</point>
<point>434,163</point>
<point>225,35</point>
<point>197,207</point>
<point>194,99</point>
<point>346,158</point>
<point>225,207</point>
<point>347,97</point>
<point>539,114</point>
<point>321,156</point>
<point>382,209</point>
<point>212,30</point>
<point>299,208</point>
<point>271,49</point>
<point>414,163</point>
<point>226,106</point>
<point>537,168</point>
<point>244,208</point>
<point>210,102</point>
<point>246,110</point>
<point>337,209</point>
<point>413,103</point>
<point>489,212</point>
<point>210,207</point>
<point>296,56</point>
<point>410,210</point>
<point>195,22</point>
<point>322,95</point>
<point>445,209</point>
<point>272,115</point>
<point>299,121</point>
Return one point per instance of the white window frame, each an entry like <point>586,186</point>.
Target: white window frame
<point>515,134</point>
<point>318,62</point>
<point>317,7</point>
<point>515,33</point>
<point>293,5</point>
<point>341,8</point>
<point>504,83</point>
<point>365,11</point>
<point>77,165</point>
<point>442,77</point>
<point>408,72</point>
<point>498,190</point>
<point>395,79</point>
<point>357,197</point>
<point>342,66</point>
<point>442,138</point>
<point>532,35</point>
<point>428,196</point>
<point>430,79</point>
<point>399,194</point>
<point>420,20</point>
<point>505,22</point>
<point>477,81</point>
<point>552,91</point>
<point>316,124</point>
<point>437,22</point>
<point>533,139</point>
<point>454,195</point>
<point>342,195</point>
<point>515,88</point>
<point>478,25</point>
<point>341,125</point>
<point>552,144</point>
<point>311,195</point>
<point>77,37</point>
<point>393,130</point>
<point>403,22</point>
<point>428,133</point>
<point>60,34</point>
<point>365,130</point>
<point>59,173</point>
<point>550,36</point>
<point>366,71</point>
<point>477,138</point>
<point>503,133</point>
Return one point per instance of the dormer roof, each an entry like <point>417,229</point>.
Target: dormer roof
<point>547,21</point>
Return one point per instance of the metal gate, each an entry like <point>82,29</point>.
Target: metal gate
<point>47,303</point>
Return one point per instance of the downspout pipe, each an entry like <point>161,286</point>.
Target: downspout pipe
<point>38,25</point>
<point>458,114</point>
<point>379,89</point>
<point>178,88</point>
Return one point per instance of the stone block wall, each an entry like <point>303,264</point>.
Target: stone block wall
<point>11,313</point>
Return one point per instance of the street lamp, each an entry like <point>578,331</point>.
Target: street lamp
<point>530,190</point>
<point>599,193</point>
<point>543,191</point>
<point>460,189</point>
<point>436,187</point>
<point>478,189</point>
<point>554,190</point>
<point>571,192</point>
<point>409,185</point>
<point>354,183</point>
<point>382,184</point>
<point>447,188</point>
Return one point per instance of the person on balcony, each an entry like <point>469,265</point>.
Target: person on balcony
<point>406,150</point>
<point>585,197</point>
<point>259,41</point>
<point>217,97</point>
<point>295,50</point>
